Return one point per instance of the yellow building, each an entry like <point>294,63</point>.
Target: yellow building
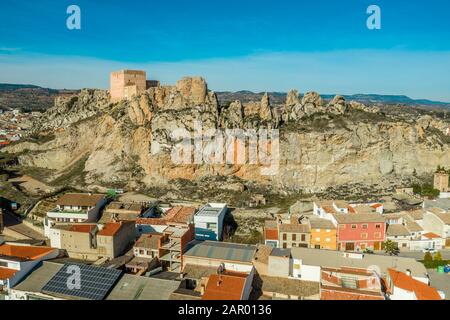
<point>323,234</point>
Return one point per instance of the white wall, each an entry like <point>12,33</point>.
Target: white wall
<point>400,294</point>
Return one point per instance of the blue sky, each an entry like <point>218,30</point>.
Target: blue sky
<point>260,45</point>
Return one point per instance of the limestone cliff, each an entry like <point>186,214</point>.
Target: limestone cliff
<point>321,145</point>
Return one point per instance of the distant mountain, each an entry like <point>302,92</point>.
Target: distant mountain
<point>279,98</point>
<point>27,97</point>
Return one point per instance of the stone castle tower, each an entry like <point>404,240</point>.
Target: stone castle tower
<point>125,84</point>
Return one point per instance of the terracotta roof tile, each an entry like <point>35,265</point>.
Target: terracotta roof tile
<point>24,252</point>
<point>408,283</point>
<point>6,273</point>
<point>80,199</point>
<point>225,287</point>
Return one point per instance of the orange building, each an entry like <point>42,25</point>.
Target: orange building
<point>323,234</point>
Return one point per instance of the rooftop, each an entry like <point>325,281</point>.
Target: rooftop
<point>6,273</point>
<point>111,228</point>
<point>336,259</point>
<point>39,277</point>
<point>149,241</point>
<point>211,210</point>
<point>408,283</point>
<point>225,287</point>
<point>131,287</point>
<point>294,228</point>
<point>292,287</point>
<point>318,223</point>
<point>80,199</point>
<point>223,251</point>
<point>24,251</point>
<point>359,218</point>
<point>180,214</point>
<point>397,230</point>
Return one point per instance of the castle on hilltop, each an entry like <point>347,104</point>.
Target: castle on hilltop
<point>125,84</point>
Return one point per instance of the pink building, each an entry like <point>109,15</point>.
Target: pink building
<point>358,232</point>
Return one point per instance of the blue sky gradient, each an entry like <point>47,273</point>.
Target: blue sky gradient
<point>260,45</point>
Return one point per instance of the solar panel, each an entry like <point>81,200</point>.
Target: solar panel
<point>94,282</point>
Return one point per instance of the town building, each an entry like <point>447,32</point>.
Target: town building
<point>271,233</point>
<point>209,221</point>
<point>350,284</point>
<point>323,234</point>
<point>402,286</point>
<point>229,285</point>
<point>126,211</point>
<point>16,261</point>
<point>75,208</point>
<point>437,221</point>
<point>125,84</point>
<point>294,235</point>
<point>307,264</point>
<point>358,232</point>
<point>231,256</point>
<point>408,235</point>
<point>93,241</point>
<point>48,281</point>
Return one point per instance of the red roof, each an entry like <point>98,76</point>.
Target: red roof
<point>111,228</point>
<point>376,205</point>
<point>84,228</point>
<point>225,287</point>
<point>6,273</point>
<point>24,252</point>
<point>431,235</point>
<point>151,221</point>
<point>351,209</point>
<point>271,234</point>
<point>408,283</point>
<point>179,214</point>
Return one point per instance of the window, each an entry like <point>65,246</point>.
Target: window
<point>294,245</point>
<point>363,235</point>
<point>364,226</point>
<point>318,239</point>
<point>303,237</point>
<point>327,240</point>
<point>296,266</point>
<point>211,225</point>
<point>284,236</point>
<point>294,237</point>
<point>378,226</point>
<point>377,235</point>
<point>353,226</point>
<point>284,246</point>
<point>342,226</point>
<point>328,230</point>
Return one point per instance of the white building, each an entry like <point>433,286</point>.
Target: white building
<point>16,261</point>
<point>75,208</point>
<point>209,221</point>
<point>402,286</point>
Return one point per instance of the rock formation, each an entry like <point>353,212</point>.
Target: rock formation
<point>131,141</point>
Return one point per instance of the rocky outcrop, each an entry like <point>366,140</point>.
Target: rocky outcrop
<point>131,141</point>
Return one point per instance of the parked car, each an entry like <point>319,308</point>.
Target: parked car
<point>430,250</point>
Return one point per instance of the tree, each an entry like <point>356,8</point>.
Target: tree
<point>437,256</point>
<point>427,257</point>
<point>391,248</point>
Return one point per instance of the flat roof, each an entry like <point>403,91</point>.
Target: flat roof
<point>132,287</point>
<point>336,259</point>
<point>39,277</point>
<point>223,251</point>
<point>209,212</point>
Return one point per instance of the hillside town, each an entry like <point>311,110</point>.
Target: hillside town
<point>125,246</point>
<point>154,250</point>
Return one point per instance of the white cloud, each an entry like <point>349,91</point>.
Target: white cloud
<point>416,74</point>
